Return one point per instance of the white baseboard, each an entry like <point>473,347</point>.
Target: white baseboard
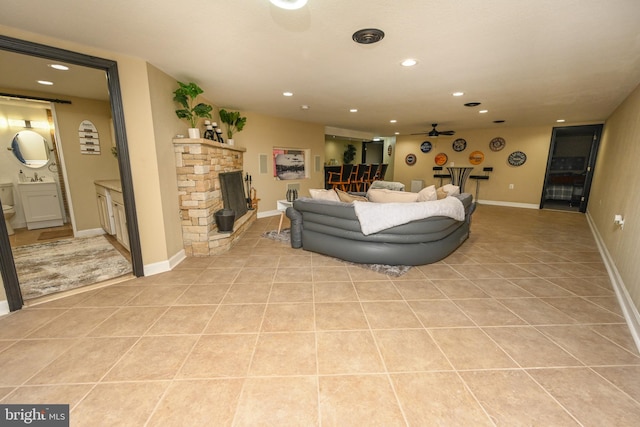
<point>508,204</point>
<point>163,266</point>
<point>90,232</point>
<point>268,213</point>
<point>629,310</point>
<point>4,308</point>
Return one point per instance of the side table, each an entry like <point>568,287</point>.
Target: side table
<point>282,206</point>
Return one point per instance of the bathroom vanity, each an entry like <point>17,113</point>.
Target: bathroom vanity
<point>111,209</point>
<point>41,204</point>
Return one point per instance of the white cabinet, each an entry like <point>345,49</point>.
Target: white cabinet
<point>104,210</point>
<point>41,204</point>
<point>111,210</point>
<point>120,219</point>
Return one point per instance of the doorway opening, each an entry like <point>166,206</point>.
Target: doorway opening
<point>570,167</point>
<point>109,70</point>
<point>372,152</point>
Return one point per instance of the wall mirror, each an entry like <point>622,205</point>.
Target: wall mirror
<point>31,149</point>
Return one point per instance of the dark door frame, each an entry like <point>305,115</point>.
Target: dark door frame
<point>10,279</point>
<point>596,132</point>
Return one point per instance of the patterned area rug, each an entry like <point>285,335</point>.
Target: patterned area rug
<point>45,268</point>
<point>390,270</point>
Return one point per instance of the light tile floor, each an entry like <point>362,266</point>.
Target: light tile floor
<point>520,326</point>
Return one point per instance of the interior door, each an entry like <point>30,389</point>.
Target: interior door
<point>570,167</point>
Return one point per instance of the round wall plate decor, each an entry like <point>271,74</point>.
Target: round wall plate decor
<point>410,159</point>
<point>426,146</point>
<point>459,144</point>
<point>517,158</point>
<point>476,157</point>
<point>441,159</point>
<point>497,144</point>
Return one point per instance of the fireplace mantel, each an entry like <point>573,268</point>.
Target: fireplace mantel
<point>198,164</point>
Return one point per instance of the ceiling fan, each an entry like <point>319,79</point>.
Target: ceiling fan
<point>435,133</point>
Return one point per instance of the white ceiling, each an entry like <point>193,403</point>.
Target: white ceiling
<point>529,62</point>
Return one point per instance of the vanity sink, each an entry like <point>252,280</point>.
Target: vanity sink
<point>41,204</point>
<point>42,180</point>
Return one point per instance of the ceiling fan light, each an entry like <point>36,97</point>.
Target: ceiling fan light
<point>289,4</point>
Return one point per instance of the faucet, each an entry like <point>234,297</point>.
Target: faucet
<point>35,176</point>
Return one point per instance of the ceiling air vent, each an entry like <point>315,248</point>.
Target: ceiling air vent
<point>368,36</point>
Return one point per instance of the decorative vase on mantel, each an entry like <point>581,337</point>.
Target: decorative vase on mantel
<point>230,141</point>
<point>194,133</point>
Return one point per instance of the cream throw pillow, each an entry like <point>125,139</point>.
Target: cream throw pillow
<point>451,190</point>
<point>428,194</point>
<point>349,198</point>
<point>381,195</point>
<point>324,194</point>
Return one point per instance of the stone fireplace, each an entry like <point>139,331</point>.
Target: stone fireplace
<point>199,163</point>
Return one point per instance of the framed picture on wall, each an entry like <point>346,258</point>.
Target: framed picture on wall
<point>290,163</point>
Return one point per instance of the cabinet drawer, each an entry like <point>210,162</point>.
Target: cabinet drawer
<point>116,197</point>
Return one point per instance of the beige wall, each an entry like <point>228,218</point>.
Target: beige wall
<point>263,133</point>
<point>527,179</point>
<point>616,190</point>
<point>83,169</point>
<point>335,147</point>
<point>165,126</point>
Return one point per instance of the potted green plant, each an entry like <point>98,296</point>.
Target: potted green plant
<point>349,154</point>
<point>233,121</point>
<point>186,96</point>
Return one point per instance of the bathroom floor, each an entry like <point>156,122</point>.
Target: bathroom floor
<point>24,236</point>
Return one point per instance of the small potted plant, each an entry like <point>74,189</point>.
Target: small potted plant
<point>186,96</point>
<point>233,121</point>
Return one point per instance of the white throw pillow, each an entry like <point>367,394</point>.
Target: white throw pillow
<point>428,194</point>
<point>452,190</point>
<point>381,195</point>
<point>317,193</point>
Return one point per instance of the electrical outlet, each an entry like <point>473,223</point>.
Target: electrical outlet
<point>511,186</point>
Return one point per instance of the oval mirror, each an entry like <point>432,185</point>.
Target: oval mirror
<point>31,149</point>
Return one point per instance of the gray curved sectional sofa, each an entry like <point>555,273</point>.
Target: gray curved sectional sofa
<point>332,228</point>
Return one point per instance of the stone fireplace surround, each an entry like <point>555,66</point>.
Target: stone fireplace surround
<point>198,164</point>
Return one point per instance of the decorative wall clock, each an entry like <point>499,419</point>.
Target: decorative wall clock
<point>517,158</point>
<point>410,159</point>
<point>497,144</point>
<point>441,159</point>
<point>459,144</point>
<point>426,146</point>
<point>476,157</point>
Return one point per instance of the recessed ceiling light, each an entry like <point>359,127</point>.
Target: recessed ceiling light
<point>368,36</point>
<point>304,107</point>
<point>457,93</point>
<point>397,133</point>
<point>561,120</point>
<point>59,67</point>
<point>45,82</point>
<point>409,62</point>
<point>289,4</point>
<point>483,111</point>
<point>287,93</point>
<point>353,110</point>
<point>393,121</point>
<point>471,104</point>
